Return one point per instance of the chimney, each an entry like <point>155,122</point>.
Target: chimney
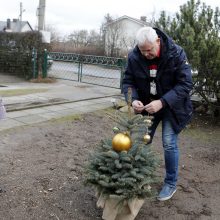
<point>143,18</point>
<point>8,24</point>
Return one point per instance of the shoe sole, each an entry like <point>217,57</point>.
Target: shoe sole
<point>166,198</point>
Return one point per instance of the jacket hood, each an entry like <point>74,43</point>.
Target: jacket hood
<point>169,47</point>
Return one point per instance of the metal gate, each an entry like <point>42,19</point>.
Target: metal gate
<point>98,70</point>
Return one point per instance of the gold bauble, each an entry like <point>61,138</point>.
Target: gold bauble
<point>147,138</point>
<point>121,142</point>
<point>148,121</point>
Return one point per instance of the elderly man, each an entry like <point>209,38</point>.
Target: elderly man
<point>160,77</point>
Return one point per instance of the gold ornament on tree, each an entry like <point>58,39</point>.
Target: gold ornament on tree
<point>147,138</point>
<point>148,122</point>
<point>121,141</point>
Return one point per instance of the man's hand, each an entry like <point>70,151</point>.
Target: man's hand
<point>137,106</point>
<point>154,106</point>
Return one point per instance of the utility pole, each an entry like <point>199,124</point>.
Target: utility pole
<point>41,14</point>
<point>20,15</point>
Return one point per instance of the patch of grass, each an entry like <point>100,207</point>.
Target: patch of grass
<point>17,92</point>
<point>106,110</point>
<point>202,134</point>
<point>68,118</point>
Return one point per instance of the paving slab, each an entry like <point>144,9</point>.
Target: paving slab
<point>55,108</point>
<point>9,123</point>
<point>70,111</point>
<point>31,119</point>
<point>52,115</point>
<point>17,114</point>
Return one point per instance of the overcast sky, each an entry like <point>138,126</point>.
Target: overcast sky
<point>69,15</point>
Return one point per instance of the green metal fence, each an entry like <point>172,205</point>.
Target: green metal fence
<point>39,64</point>
<point>98,70</point>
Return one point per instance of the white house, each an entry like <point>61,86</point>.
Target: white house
<point>15,26</point>
<point>119,35</point>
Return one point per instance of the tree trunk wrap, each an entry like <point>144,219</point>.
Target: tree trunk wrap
<point>119,209</point>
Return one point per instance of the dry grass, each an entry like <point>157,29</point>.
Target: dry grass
<point>68,118</point>
<point>43,80</point>
<point>17,92</point>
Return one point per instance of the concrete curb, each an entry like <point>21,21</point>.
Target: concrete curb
<point>57,103</point>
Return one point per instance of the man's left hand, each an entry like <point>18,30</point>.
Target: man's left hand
<point>154,106</point>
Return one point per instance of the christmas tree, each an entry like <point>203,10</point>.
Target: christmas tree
<point>124,166</point>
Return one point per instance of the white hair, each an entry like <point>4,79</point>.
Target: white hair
<point>146,34</point>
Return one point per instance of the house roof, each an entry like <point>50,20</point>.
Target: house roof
<point>16,26</point>
<point>138,21</point>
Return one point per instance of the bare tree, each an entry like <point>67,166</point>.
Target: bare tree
<point>128,43</point>
<point>79,38</point>
<point>111,35</point>
<point>55,35</point>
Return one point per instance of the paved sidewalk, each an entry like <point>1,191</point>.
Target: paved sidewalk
<point>72,98</point>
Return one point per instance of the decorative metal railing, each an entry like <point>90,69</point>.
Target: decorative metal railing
<point>89,59</point>
<point>58,56</point>
<point>99,70</point>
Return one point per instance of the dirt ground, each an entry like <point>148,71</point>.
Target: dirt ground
<point>41,172</point>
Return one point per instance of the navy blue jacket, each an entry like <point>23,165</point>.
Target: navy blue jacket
<point>173,80</point>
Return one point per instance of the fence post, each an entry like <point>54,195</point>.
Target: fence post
<point>122,64</point>
<point>79,71</point>
<point>34,57</point>
<point>44,71</point>
<point>80,68</point>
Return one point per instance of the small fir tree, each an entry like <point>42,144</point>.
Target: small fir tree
<point>125,165</point>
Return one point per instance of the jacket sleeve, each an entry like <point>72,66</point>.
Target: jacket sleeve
<point>129,81</point>
<point>183,80</point>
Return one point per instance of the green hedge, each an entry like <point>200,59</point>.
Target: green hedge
<point>16,63</point>
<point>16,52</point>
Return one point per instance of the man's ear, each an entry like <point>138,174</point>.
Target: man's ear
<point>158,40</point>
